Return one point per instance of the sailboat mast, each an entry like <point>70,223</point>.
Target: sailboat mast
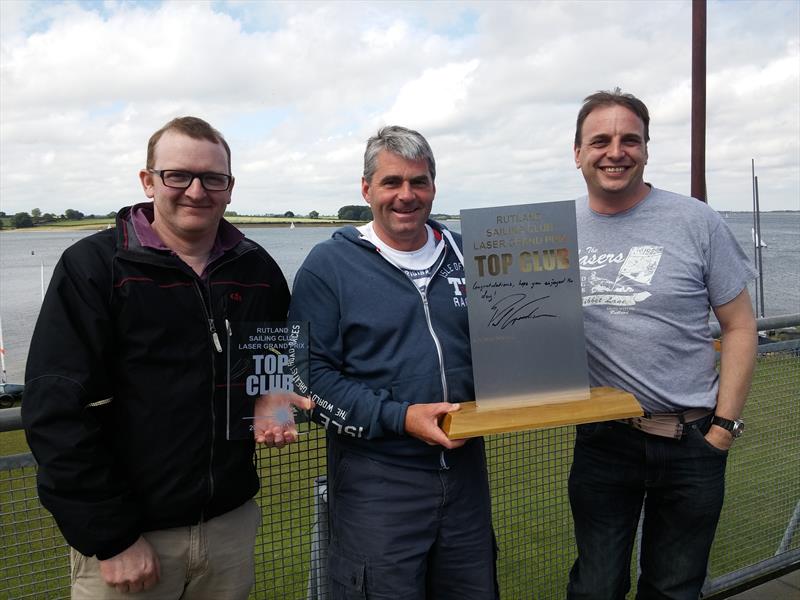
<point>758,246</point>
<point>755,239</point>
<point>2,356</point>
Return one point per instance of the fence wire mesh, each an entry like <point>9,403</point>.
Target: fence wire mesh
<point>528,476</point>
<point>763,474</point>
<point>290,528</point>
<point>35,558</point>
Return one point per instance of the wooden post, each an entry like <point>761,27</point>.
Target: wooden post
<point>699,100</point>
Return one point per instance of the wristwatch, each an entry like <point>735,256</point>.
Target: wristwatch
<point>736,427</point>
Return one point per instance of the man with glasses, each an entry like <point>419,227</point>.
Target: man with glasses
<point>124,405</point>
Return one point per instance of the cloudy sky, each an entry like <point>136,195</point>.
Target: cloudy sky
<point>297,87</point>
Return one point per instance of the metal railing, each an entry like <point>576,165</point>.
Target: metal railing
<point>757,535</point>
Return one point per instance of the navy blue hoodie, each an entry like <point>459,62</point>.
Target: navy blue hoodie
<point>378,344</point>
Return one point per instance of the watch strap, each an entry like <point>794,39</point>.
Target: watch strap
<point>736,426</point>
<point>724,423</point>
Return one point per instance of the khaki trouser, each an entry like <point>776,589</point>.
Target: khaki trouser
<point>207,561</point>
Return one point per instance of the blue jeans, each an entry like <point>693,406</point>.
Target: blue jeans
<point>410,534</point>
<point>682,484</point>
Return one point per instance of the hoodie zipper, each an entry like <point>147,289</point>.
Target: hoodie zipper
<point>423,295</point>
<point>436,342</point>
<point>442,459</point>
<point>439,352</point>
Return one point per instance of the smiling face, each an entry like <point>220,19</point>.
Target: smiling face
<point>612,156</point>
<point>192,214</point>
<point>400,194</point>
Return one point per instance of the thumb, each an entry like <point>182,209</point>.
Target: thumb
<point>448,407</point>
<point>302,402</point>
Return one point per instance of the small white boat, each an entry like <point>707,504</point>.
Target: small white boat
<point>757,240</point>
<point>291,225</point>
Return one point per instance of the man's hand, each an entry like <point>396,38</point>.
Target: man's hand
<point>422,422</point>
<point>132,570</point>
<point>273,422</point>
<point>719,437</point>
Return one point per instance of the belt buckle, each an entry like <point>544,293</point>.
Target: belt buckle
<point>661,425</point>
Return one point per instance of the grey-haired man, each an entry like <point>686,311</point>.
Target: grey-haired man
<point>410,509</point>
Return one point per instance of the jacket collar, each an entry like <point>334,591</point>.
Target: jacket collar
<point>134,230</point>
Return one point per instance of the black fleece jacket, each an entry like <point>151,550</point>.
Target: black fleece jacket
<point>124,404</point>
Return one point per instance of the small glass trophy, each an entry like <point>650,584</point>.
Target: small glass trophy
<point>267,362</point>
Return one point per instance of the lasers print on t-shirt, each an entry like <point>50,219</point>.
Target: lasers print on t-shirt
<point>619,281</point>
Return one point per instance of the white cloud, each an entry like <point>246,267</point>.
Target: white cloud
<point>433,99</point>
<point>385,39</point>
<point>298,88</point>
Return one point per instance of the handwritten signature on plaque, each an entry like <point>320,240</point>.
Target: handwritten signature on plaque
<point>510,309</point>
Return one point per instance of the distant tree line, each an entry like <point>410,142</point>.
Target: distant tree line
<point>36,217</point>
<point>351,212</point>
<point>289,214</point>
<point>355,212</point>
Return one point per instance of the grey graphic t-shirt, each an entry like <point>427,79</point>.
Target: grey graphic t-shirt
<point>649,277</point>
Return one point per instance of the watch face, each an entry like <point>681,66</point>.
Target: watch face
<point>738,428</point>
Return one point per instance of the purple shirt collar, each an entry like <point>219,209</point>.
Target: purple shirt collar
<point>142,218</point>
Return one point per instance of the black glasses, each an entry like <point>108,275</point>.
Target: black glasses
<point>212,182</point>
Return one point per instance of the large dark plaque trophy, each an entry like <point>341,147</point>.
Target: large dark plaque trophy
<point>526,324</point>
<point>262,359</point>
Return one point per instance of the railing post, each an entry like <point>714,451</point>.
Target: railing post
<point>318,575</point>
<point>789,533</point>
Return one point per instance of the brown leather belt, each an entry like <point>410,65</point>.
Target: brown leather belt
<point>669,425</point>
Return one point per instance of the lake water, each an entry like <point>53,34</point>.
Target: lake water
<point>22,254</point>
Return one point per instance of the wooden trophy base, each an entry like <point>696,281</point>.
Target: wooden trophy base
<point>603,404</point>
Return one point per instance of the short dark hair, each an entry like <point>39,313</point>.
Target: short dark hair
<point>604,98</point>
<point>401,141</point>
<point>193,127</point>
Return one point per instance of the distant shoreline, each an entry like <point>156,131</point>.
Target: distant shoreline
<point>252,221</point>
<point>239,224</point>
<point>237,221</point>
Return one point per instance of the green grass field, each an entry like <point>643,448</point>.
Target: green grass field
<point>528,473</point>
<point>94,223</point>
<point>13,442</point>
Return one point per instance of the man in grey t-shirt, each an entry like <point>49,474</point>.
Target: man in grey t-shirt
<point>652,265</point>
